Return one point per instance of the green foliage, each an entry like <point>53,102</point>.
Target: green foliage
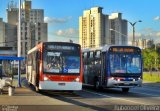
<point>150,58</point>
<point>155,77</point>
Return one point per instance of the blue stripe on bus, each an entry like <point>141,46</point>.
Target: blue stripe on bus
<point>11,58</point>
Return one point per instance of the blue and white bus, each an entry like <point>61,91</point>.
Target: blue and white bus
<point>113,67</point>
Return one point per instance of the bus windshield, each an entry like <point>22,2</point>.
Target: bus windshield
<point>125,63</point>
<point>61,62</point>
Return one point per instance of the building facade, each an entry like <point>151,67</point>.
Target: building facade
<point>8,35</point>
<point>144,43</point>
<point>2,32</point>
<point>118,29</point>
<point>33,28</point>
<point>94,28</point>
<point>11,36</point>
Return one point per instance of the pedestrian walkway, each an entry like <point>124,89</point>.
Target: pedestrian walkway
<point>24,99</point>
<point>25,96</point>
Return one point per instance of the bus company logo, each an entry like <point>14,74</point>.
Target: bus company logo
<point>9,108</point>
<point>65,70</point>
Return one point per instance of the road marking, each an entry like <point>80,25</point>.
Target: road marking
<point>147,88</point>
<point>115,97</point>
<point>145,94</point>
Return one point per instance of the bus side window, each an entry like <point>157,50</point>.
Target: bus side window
<point>92,59</point>
<point>88,55</point>
<point>85,55</point>
<point>91,54</point>
<point>97,54</point>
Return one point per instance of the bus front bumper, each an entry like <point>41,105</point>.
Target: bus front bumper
<point>60,85</point>
<point>124,84</point>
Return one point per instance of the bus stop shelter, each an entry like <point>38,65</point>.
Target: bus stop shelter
<point>9,68</point>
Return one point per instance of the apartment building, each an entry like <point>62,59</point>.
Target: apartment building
<point>95,29</point>
<point>118,29</point>
<point>2,32</point>
<point>144,43</point>
<point>33,28</point>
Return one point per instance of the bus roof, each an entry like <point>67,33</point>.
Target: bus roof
<point>60,43</point>
<point>42,43</point>
<point>106,47</point>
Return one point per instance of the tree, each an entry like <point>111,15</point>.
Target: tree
<point>149,58</point>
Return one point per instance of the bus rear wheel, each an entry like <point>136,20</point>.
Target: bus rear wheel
<point>29,84</point>
<point>97,85</point>
<point>125,90</point>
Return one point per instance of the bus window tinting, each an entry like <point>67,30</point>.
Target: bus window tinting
<point>125,63</point>
<point>61,62</point>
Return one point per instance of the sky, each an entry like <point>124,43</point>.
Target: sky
<point>62,16</point>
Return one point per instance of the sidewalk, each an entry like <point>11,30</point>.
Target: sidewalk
<point>24,99</point>
<point>25,96</point>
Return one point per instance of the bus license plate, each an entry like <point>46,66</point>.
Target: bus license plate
<point>126,83</point>
<point>61,84</point>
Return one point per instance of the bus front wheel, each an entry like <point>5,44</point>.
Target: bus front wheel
<point>125,89</point>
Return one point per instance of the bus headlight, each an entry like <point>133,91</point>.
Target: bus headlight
<point>112,78</point>
<point>46,78</point>
<point>77,79</point>
<point>139,78</point>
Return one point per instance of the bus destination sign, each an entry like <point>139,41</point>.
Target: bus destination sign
<point>119,49</point>
<point>60,47</point>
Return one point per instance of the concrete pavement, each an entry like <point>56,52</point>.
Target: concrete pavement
<point>25,96</point>
<point>25,99</point>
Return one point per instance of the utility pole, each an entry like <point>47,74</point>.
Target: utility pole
<point>133,28</point>
<point>19,45</point>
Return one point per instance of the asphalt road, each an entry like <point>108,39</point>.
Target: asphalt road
<point>111,99</point>
<point>142,98</point>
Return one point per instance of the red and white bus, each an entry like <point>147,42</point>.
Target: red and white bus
<point>55,66</point>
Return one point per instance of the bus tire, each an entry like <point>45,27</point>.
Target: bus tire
<point>29,84</point>
<point>97,85</point>
<point>125,90</point>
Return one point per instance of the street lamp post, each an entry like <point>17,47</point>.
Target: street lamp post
<point>19,30</point>
<point>133,28</point>
<point>19,45</point>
